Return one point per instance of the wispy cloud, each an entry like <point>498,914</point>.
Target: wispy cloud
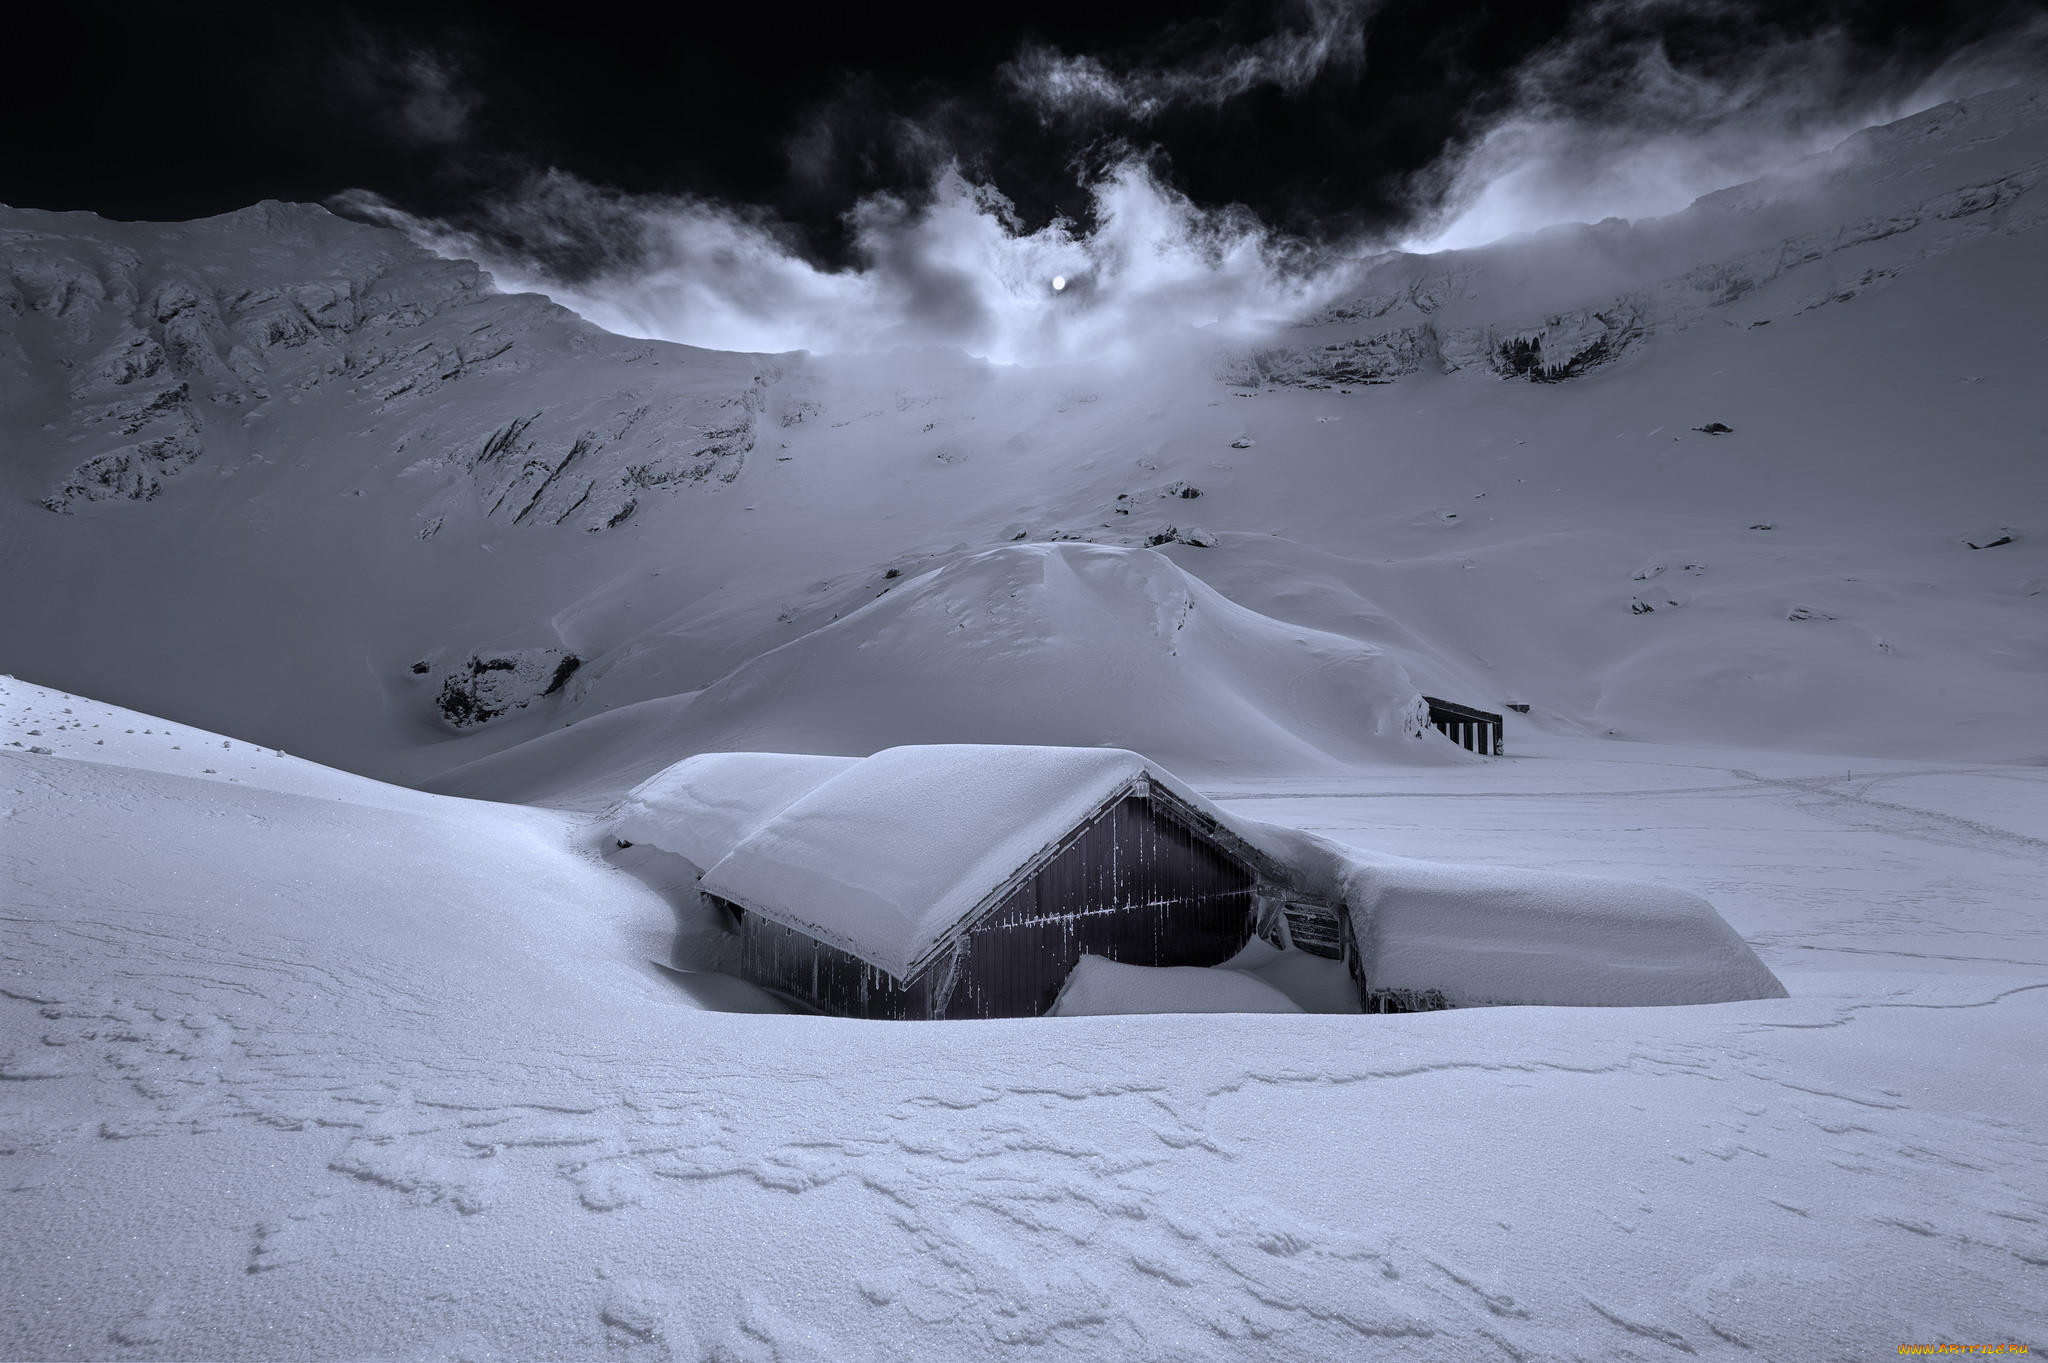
<point>417,93</point>
<point>1604,123</point>
<point>1060,86</point>
<point>951,269</point>
<point>1611,119</point>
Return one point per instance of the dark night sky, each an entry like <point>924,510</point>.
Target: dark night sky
<point>171,111</point>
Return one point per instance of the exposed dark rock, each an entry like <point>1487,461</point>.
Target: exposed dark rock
<point>1522,357</point>
<point>1358,360</point>
<point>483,687</point>
<point>135,472</point>
<point>563,671</point>
<point>1193,536</point>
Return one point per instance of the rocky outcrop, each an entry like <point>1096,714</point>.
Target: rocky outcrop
<point>1563,346</point>
<point>1356,360</point>
<point>477,688</point>
<point>594,477</point>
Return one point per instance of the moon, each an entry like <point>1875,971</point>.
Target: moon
<point>1059,281</point>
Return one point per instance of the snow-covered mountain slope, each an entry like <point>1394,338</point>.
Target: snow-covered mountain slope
<point>295,1064</point>
<point>1065,644</point>
<point>1562,303</point>
<point>304,492</point>
<point>253,431</point>
<point>147,350</point>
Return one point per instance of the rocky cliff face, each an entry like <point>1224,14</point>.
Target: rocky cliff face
<point>145,351</point>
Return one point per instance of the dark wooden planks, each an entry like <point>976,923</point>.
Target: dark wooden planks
<point>1475,730</point>
<point>1135,883</point>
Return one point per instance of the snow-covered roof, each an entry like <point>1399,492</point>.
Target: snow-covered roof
<point>887,856</point>
<point>1498,935</point>
<point>704,806</point>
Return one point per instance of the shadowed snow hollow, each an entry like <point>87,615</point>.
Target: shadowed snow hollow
<point>1074,645</point>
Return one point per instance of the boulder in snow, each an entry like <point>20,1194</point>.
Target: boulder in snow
<point>484,686</point>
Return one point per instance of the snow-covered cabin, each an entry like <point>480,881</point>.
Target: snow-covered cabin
<point>1422,935</point>
<point>953,880</point>
<point>969,881</point>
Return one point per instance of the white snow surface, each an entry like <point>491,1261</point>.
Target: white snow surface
<point>1030,644</point>
<point>1099,987</point>
<point>888,856</point>
<point>1479,935</point>
<point>704,806</point>
<point>295,1063</point>
<point>301,1065</point>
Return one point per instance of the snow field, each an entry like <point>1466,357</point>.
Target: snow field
<point>1100,987</point>
<point>285,1103</point>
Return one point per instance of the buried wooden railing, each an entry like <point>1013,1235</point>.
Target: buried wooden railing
<point>1325,930</point>
<point>1473,730</point>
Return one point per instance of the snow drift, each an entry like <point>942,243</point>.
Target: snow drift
<point>1064,645</point>
<point>1461,936</point>
<point>702,808</point>
<point>1100,987</point>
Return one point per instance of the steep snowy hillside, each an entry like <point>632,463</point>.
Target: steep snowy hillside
<point>1766,472</point>
<point>1064,644</point>
<point>147,350</point>
<point>254,430</point>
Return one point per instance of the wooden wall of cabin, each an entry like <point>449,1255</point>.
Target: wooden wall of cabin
<point>778,957</point>
<point>1133,885</point>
